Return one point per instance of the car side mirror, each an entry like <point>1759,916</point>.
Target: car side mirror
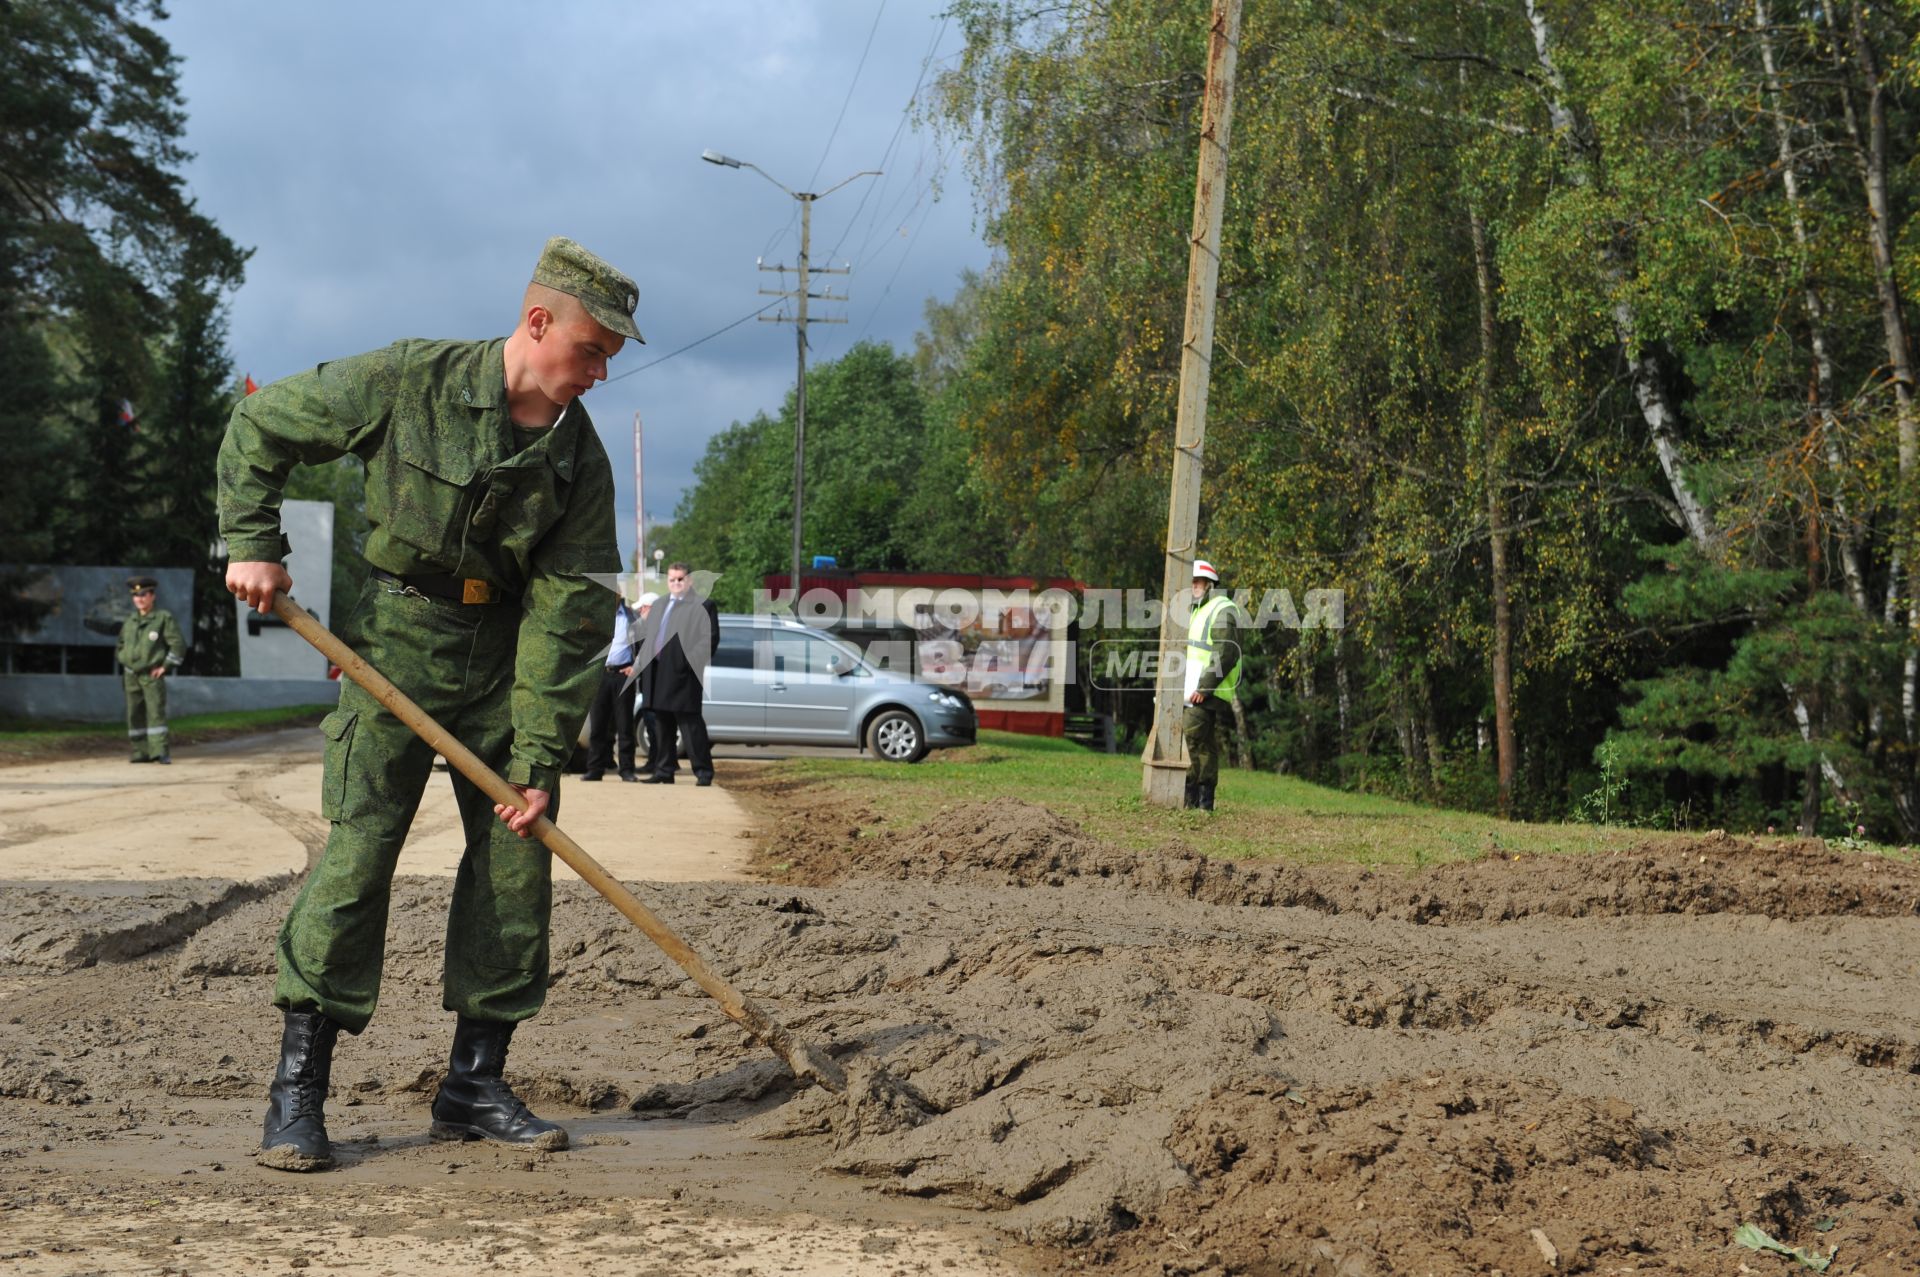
<point>837,666</point>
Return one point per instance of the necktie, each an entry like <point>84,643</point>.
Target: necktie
<point>660,638</point>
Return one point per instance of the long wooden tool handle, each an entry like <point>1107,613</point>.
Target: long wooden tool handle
<point>806,1061</point>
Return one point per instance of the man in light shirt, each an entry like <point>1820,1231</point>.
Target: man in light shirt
<point>610,721</point>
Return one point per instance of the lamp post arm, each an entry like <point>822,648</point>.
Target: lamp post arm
<point>872,172</point>
<point>771,178</point>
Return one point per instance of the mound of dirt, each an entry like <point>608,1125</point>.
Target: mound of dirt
<point>1633,1055</point>
<point>64,926</point>
<point>1018,844</point>
<point>1453,1173</point>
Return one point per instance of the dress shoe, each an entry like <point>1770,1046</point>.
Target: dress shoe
<point>591,775</point>
<point>703,781</point>
<point>629,777</point>
<point>656,779</point>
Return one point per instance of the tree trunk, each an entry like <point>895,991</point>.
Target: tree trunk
<point>1649,386</point>
<point>1406,730</point>
<point>1847,531</point>
<point>1309,737</point>
<point>1870,153</point>
<point>1893,321</point>
<point>1430,728</point>
<point>1496,519</point>
<point>1810,802</point>
<point>1344,703</point>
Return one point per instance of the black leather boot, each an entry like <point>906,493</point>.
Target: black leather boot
<point>1193,794</point>
<point>296,1129</point>
<point>475,1102</point>
<point>1206,798</point>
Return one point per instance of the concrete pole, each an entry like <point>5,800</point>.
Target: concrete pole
<point>1164,763</point>
<point>800,392</point>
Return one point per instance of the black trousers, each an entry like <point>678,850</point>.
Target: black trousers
<point>699,748</point>
<point>650,724</point>
<point>610,724</point>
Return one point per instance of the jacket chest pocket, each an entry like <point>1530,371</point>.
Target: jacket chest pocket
<point>531,505</point>
<point>429,490</point>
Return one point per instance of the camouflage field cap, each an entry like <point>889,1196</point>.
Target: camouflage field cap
<point>608,295</point>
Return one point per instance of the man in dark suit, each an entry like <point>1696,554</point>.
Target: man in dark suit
<point>677,641</point>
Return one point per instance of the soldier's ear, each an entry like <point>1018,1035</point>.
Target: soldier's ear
<point>539,320</point>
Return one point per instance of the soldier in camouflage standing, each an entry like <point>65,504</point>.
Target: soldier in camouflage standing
<point>149,649</point>
<point>489,504</point>
<point>1213,676</point>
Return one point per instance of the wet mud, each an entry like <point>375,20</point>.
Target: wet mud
<point>1134,1062</point>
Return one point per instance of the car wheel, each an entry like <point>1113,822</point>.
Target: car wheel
<point>896,736</point>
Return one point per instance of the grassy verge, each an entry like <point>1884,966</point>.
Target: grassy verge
<point>30,741</point>
<point>1259,815</point>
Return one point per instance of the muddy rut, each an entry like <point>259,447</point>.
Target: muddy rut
<point>1155,1063</point>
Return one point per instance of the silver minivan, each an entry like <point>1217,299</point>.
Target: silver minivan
<point>774,681</point>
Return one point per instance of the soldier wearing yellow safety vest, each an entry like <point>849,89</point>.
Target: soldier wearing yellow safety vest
<point>1213,674</point>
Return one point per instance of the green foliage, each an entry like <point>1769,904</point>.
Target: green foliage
<point>886,484</point>
<point>1672,326</point>
<point>1758,644</point>
<point>1601,804</point>
<point>112,285</point>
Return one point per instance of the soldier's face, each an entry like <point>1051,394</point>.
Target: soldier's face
<point>144,601</point>
<point>570,355</point>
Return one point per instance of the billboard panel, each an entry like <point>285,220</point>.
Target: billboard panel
<point>89,603</point>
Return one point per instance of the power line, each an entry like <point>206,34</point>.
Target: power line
<point>835,131</point>
<point>906,112</point>
<point>698,342</point>
<point>912,237</point>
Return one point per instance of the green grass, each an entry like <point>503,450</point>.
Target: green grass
<point>27,740</point>
<point>1258,816</point>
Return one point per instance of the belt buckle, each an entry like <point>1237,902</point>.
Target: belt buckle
<point>472,591</point>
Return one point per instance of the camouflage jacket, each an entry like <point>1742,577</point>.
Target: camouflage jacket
<point>150,641</point>
<point>450,490</point>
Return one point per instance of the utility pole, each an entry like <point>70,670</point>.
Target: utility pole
<point>799,320</point>
<point>1164,764</point>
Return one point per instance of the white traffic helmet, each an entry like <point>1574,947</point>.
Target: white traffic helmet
<point>1202,568</point>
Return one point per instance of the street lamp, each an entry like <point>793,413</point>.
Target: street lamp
<point>801,295</point>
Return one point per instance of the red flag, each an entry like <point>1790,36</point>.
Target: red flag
<point>252,385</point>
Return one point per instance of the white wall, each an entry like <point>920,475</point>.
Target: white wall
<point>269,649</point>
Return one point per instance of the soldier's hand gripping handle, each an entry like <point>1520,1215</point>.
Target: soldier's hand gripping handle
<point>256,583</point>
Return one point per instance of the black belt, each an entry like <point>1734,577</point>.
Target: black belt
<point>440,585</point>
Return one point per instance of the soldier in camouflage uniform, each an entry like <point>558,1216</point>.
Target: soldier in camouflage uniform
<point>489,502</point>
<point>1212,678</point>
<point>149,649</point>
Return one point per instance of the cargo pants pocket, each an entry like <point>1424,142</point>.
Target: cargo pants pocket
<point>337,727</point>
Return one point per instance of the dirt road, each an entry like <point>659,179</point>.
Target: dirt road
<point>131,1072</point>
<point>1135,1063</point>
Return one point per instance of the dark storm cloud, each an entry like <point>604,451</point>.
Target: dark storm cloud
<point>397,166</point>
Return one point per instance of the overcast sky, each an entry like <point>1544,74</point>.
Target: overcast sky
<point>397,166</point>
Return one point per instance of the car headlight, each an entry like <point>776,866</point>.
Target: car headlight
<point>945,700</point>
